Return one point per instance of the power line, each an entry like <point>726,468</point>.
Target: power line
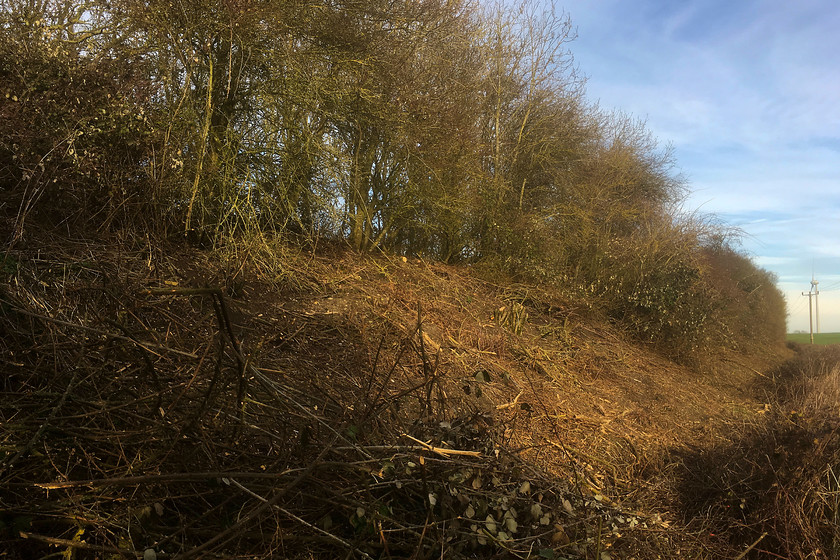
<point>798,306</point>
<point>833,286</point>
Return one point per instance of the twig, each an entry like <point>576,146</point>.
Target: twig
<point>301,521</point>
<point>576,454</point>
<point>40,432</point>
<point>224,536</point>
<point>408,448</point>
<point>77,544</point>
<point>141,343</point>
<point>178,477</point>
<point>443,451</point>
<point>276,391</point>
<point>225,330</point>
<point>752,546</point>
<point>180,291</point>
<point>514,402</point>
<point>154,479</point>
<point>598,539</point>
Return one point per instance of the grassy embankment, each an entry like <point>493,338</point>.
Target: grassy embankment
<point>385,408</point>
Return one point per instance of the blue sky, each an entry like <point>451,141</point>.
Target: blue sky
<point>748,94</point>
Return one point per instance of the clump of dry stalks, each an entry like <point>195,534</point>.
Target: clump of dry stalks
<point>148,415</point>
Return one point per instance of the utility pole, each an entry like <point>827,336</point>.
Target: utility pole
<point>812,295</point>
<point>816,290</point>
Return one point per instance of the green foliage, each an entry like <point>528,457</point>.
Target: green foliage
<point>655,288</point>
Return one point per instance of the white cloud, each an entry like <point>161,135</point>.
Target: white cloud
<point>765,262</point>
<point>748,94</point>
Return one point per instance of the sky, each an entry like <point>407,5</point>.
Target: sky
<point>747,92</point>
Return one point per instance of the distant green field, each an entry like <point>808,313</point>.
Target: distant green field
<point>821,338</point>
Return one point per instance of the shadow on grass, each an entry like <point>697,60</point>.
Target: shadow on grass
<point>772,489</point>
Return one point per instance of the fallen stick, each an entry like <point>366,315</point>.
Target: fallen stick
<point>443,451</point>
<point>76,544</point>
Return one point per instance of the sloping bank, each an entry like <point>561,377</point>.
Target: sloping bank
<point>357,406</point>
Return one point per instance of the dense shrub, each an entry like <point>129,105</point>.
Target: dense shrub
<point>751,311</point>
<point>74,140</point>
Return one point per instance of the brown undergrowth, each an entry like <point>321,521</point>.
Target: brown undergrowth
<point>775,482</point>
<point>257,402</point>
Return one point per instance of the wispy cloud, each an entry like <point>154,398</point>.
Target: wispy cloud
<point>747,93</point>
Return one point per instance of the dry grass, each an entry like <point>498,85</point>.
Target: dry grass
<point>775,481</point>
<point>259,402</point>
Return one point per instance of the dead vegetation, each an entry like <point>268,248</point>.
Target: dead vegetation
<point>775,482</point>
<point>181,404</point>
